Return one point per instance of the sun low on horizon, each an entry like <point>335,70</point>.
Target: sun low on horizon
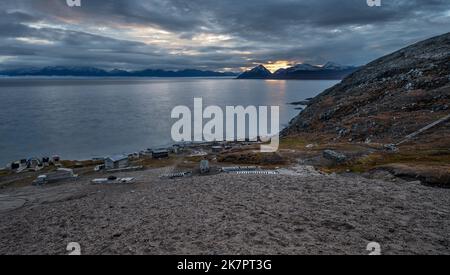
<point>272,66</point>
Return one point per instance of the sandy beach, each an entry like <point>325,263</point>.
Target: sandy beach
<point>302,213</point>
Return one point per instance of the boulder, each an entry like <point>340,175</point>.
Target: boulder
<point>334,156</point>
<point>204,167</point>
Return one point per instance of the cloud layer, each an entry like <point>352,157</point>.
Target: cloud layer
<point>215,35</point>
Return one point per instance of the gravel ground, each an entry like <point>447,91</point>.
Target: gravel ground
<point>307,213</point>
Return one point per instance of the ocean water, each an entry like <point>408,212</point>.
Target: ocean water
<point>85,118</point>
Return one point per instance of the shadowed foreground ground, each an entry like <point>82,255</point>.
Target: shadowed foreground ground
<point>227,214</point>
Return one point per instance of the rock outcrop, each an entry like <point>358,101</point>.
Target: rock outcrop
<point>334,156</point>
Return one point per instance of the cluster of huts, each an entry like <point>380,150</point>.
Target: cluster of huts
<point>33,164</point>
<point>36,164</point>
<point>118,162</point>
<point>122,162</point>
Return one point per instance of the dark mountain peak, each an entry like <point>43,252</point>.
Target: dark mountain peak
<point>259,72</point>
<point>260,67</point>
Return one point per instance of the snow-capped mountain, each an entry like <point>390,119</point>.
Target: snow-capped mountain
<point>336,66</point>
<point>307,71</point>
<point>303,67</point>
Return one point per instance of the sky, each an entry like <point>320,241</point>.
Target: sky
<point>221,35</point>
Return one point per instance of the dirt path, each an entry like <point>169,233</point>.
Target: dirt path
<point>227,214</point>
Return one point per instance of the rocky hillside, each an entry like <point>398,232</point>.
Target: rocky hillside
<point>385,100</point>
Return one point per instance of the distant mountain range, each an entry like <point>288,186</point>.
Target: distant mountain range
<point>95,72</point>
<point>301,71</point>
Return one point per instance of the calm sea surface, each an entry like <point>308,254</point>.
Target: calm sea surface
<point>85,118</point>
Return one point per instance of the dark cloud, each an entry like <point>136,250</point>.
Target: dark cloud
<point>205,34</point>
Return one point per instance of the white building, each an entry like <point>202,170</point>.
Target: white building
<point>116,162</point>
<point>60,174</point>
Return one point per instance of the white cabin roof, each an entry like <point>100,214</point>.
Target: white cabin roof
<point>117,158</point>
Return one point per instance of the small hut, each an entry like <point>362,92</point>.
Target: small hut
<point>204,166</point>
<point>159,154</point>
<point>116,162</point>
<point>33,163</point>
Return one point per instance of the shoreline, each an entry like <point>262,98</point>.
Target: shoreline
<point>170,147</point>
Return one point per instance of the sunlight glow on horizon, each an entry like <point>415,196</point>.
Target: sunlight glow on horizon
<point>272,66</point>
<point>279,64</point>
